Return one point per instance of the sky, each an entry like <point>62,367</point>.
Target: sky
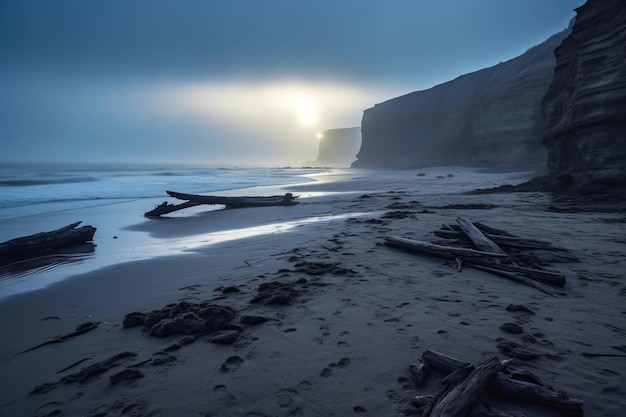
<point>233,82</point>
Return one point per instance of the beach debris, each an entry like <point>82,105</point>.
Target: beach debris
<point>126,375</point>
<point>465,386</point>
<point>321,268</point>
<point>275,293</point>
<point>481,247</point>
<point>73,365</point>
<point>38,244</point>
<point>184,318</point>
<point>82,329</point>
<point>87,373</point>
<point>229,202</point>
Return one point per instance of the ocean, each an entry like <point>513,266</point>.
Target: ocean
<point>114,197</point>
<point>36,189</point>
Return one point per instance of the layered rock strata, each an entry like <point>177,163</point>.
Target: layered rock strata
<point>489,118</point>
<point>585,106</point>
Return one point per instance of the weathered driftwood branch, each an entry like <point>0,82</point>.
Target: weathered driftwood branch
<point>419,371</point>
<point>442,362</point>
<point>510,241</point>
<point>538,394</point>
<point>236,202</point>
<point>38,243</point>
<point>447,252</point>
<point>166,208</point>
<point>548,277</point>
<point>458,400</point>
<point>492,230</point>
<point>487,410</point>
<point>503,385</point>
<point>82,329</point>
<point>519,278</point>
<point>477,237</point>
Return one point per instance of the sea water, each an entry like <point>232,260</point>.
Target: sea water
<point>113,198</point>
<point>35,189</point>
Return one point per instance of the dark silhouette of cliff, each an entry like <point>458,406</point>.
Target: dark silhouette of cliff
<point>338,147</point>
<point>585,107</point>
<point>488,118</point>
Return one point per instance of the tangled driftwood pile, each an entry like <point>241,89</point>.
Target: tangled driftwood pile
<point>464,385</point>
<point>482,247</point>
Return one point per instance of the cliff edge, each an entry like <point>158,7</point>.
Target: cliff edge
<point>338,147</point>
<point>488,118</point>
<point>585,106</point>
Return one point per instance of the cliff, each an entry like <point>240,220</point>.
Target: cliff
<point>338,147</point>
<point>585,107</point>
<point>489,118</point>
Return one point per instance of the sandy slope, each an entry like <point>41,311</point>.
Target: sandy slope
<point>343,345</point>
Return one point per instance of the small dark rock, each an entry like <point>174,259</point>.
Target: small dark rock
<point>251,320</point>
<point>229,290</point>
<point>172,348</point>
<point>275,292</point>
<point>187,340</point>
<point>398,215</point>
<point>126,375</point>
<point>134,319</point>
<point>224,337</point>
<point>519,308</point>
<point>162,360</point>
<point>511,328</point>
<point>45,387</point>
<point>279,299</point>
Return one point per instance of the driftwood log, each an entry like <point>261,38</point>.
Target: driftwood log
<point>477,237</point>
<point>462,396</point>
<point>39,243</point>
<point>165,208</point>
<point>497,383</point>
<point>488,255</point>
<point>82,329</point>
<point>448,252</point>
<point>229,202</point>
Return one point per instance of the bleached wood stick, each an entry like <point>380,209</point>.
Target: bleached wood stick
<point>458,400</point>
<point>537,394</point>
<point>447,252</point>
<point>481,241</point>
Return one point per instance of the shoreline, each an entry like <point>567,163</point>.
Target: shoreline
<point>343,345</point>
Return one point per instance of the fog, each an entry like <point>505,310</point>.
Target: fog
<point>233,83</point>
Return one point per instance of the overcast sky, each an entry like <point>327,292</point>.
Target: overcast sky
<point>233,82</point>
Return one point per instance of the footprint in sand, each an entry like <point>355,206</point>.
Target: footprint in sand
<point>224,394</point>
<point>285,397</point>
<point>326,372</point>
<point>231,364</point>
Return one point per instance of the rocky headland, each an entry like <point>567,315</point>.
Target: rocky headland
<point>338,147</point>
<point>585,106</point>
<point>488,118</point>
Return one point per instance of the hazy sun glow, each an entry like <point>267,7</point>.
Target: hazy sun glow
<point>308,116</point>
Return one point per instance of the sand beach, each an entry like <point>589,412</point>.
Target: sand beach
<point>351,313</point>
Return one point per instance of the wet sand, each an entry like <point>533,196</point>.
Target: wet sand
<point>357,313</point>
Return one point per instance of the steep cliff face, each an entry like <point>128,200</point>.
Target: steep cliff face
<point>338,147</point>
<point>491,118</point>
<point>585,107</point>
